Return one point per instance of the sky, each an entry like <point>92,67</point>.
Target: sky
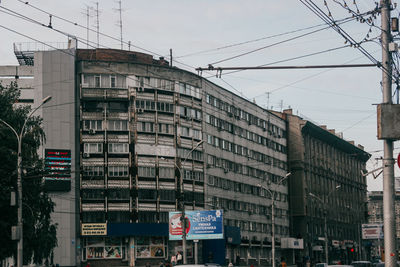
<point>231,33</point>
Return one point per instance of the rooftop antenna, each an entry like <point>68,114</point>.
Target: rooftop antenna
<point>119,9</point>
<point>97,23</point>
<point>87,14</point>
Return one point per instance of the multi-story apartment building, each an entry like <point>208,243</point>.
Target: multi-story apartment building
<point>327,191</point>
<point>144,139</point>
<point>375,216</point>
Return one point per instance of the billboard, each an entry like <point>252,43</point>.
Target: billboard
<point>202,224</point>
<point>372,231</point>
<point>57,166</point>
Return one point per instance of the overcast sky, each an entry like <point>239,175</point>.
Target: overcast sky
<point>209,31</point>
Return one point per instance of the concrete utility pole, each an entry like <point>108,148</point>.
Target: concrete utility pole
<point>324,203</point>
<point>272,194</point>
<point>183,217</point>
<point>388,161</point>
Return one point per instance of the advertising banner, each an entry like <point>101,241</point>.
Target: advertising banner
<point>372,231</point>
<point>57,166</point>
<point>201,224</point>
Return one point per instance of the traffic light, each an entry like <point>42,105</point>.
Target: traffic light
<point>352,250</point>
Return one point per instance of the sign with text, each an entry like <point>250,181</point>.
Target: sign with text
<point>201,224</point>
<point>57,166</point>
<point>94,229</point>
<point>372,231</point>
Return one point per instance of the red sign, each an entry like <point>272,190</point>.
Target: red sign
<point>398,160</point>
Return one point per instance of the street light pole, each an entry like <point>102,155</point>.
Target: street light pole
<point>19,180</point>
<point>324,204</point>
<point>183,219</point>
<point>272,194</point>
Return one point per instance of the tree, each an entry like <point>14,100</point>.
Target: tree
<point>39,232</point>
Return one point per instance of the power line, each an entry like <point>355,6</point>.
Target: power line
<point>250,41</point>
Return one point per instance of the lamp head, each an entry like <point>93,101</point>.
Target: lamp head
<point>46,99</point>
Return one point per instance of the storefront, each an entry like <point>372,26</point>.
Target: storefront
<point>130,243</point>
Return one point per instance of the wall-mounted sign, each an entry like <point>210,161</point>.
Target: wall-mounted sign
<point>94,229</point>
<point>202,224</point>
<point>293,243</point>
<point>57,167</point>
<point>372,231</point>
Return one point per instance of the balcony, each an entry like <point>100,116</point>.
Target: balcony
<point>105,93</point>
<point>92,184</point>
<point>118,206</point>
<point>92,207</point>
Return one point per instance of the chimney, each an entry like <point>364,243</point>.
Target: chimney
<point>288,111</point>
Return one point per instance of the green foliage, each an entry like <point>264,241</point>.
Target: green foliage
<point>39,232</point>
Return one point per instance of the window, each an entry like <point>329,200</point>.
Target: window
<point>92,125</point>
<point>118,148</point>
<point>117,171</point>
<point>147,194</point>
<point>93,148</point>
<point>118,106</point>
<point>97,81</point>
<point>146,127</point>
<point>165,128</point>
<point>117,125</point>
<point>165,172</point>
<point>146,171</point>
<point>113,82</point>
<point>93,170</point>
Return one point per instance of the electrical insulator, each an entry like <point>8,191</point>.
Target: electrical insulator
<point>395,24</point>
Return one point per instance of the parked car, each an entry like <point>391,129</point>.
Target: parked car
<point>321,264</point>
<point>362,264</point>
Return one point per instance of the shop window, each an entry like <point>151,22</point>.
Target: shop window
<point>150,247</point>
<point>104,248</point>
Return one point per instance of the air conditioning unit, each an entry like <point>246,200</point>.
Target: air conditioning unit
<point>86,155</point>
<point>92,131</point>
<point>226,170</point>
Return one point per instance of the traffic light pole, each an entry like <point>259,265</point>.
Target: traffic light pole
<point>388,161</point>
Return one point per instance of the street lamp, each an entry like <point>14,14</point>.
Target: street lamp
<point>19,180</point>
<point>183,220</point>
<point>272,194</point>
<point>324,204</point>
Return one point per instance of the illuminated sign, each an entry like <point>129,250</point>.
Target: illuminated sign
<point>57,167</point>
<point>94,229</point>
<point>201,224</point>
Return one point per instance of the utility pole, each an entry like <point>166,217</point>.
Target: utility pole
<point>388,161</point>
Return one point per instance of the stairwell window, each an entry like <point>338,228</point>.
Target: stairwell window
<point>113,81</point>
<point>97,81</point>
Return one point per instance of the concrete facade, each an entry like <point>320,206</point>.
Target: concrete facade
<point>375,216</point>
<point>326,182</point>
<point>135,127</point>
